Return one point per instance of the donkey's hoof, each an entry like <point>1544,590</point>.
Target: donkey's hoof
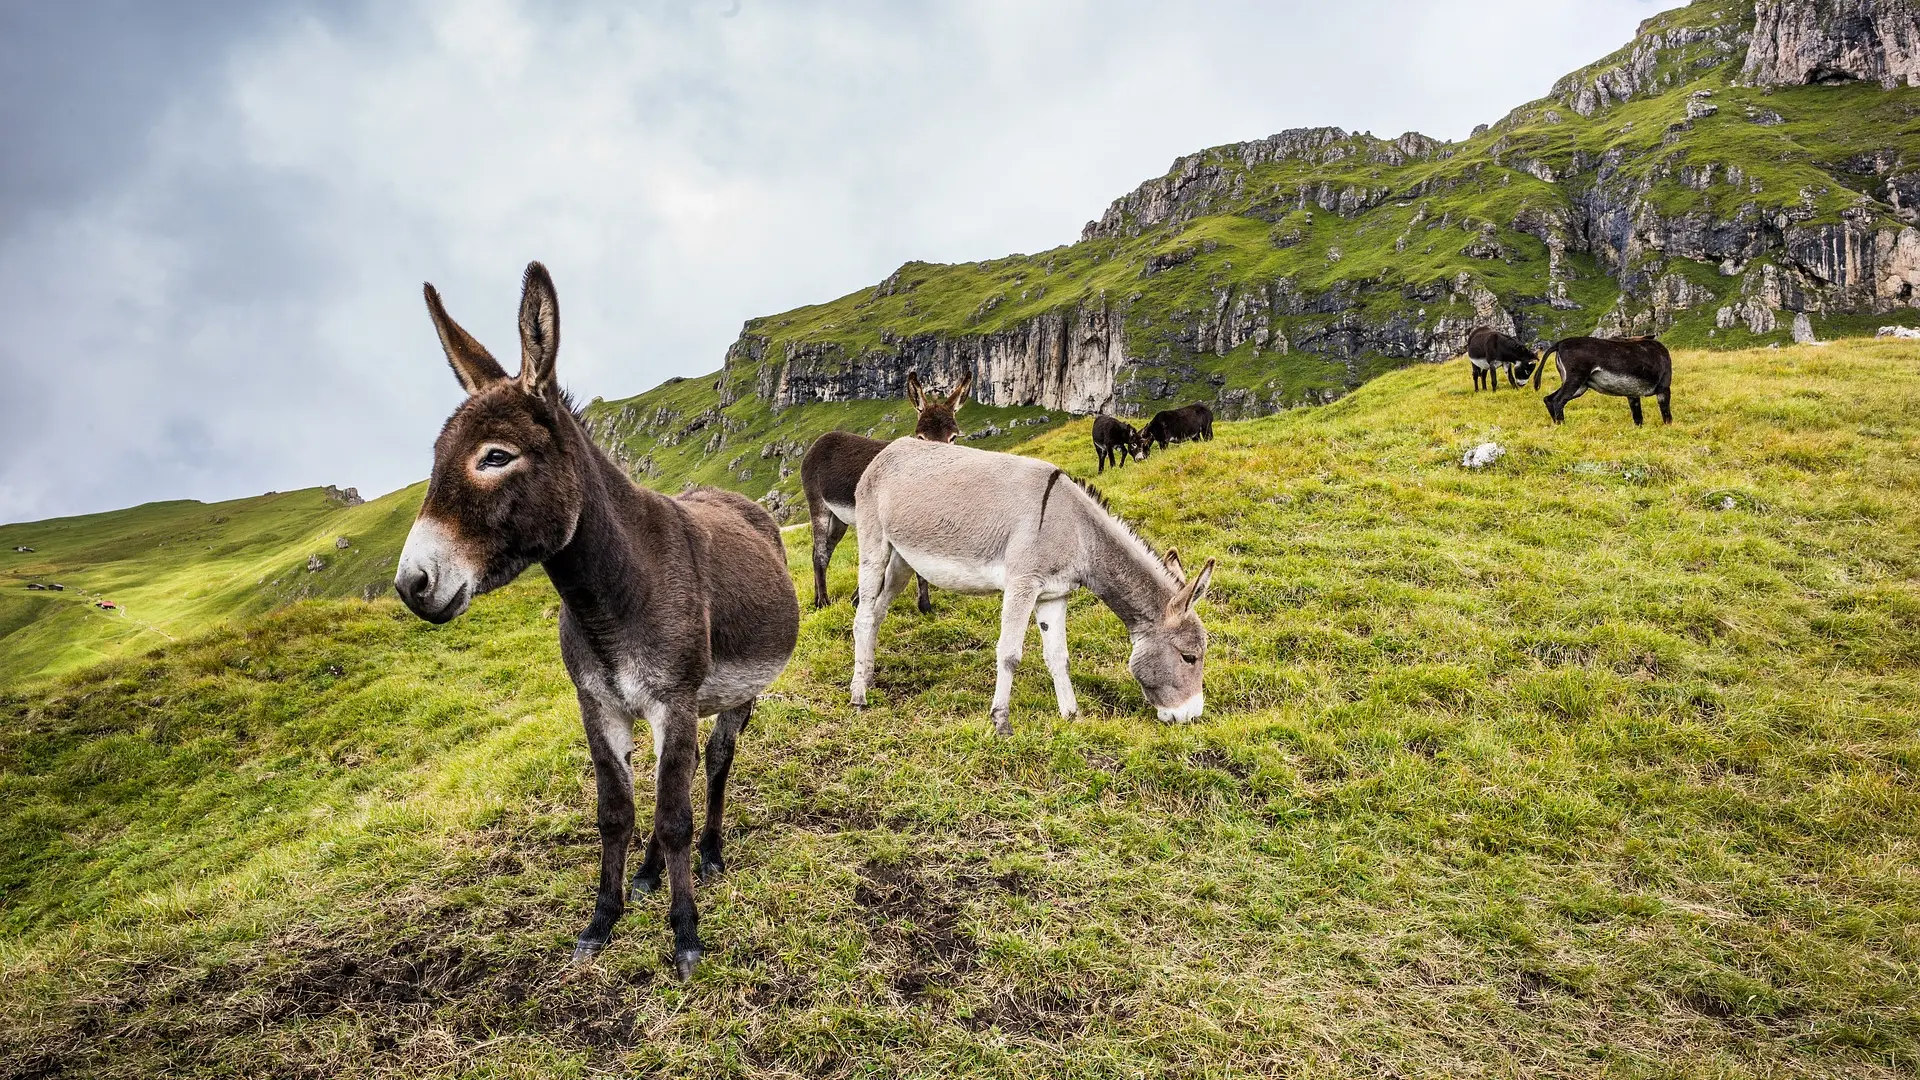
<point>711,867</point>
<point>684,961</point>
<point>587,948</point>
<point>860,699</point>
<point>1002,724</point>
<point>643,885</point>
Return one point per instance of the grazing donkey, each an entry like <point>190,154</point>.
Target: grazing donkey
<point>1115,440</point>
<point>1179,425</point>
<point>1631,368</point>
<point>671,609</point>
<point>1489,351</point>
<point>833,465</point>
<point>974,521</point>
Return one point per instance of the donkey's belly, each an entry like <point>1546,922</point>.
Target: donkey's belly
<point>1618,385</point>
<point>955,574</point>
<point>731,684</point>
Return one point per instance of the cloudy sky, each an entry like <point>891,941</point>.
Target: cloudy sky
<point>215,218</point>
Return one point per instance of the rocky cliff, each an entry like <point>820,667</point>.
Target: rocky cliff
<point>1739,167</point>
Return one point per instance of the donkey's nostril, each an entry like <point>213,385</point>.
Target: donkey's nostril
<point>411,583</point>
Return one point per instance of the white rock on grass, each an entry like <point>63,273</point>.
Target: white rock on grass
<point>1899,332</point>
<point>1483,455</point>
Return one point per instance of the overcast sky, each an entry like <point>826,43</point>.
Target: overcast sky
<point>215,218</point>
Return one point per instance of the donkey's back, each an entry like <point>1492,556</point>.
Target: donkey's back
<point>957,515</point>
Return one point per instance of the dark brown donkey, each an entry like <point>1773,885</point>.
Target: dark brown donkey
<point>1631,368</point>
<point>671,609</point>
<point>833,465</point>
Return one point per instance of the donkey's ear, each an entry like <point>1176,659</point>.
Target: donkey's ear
<point>473,365</point>
<point>1192,592</point>
<point>916,397</point>
<point>1171,560</point>
<point>539,330</point>
<point>960,392</point>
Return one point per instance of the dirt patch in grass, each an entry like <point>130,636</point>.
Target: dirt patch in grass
<point>915,915</point>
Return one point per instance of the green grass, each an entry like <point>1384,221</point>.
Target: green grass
<point>172,568</point>
<point>681,432</point>
<point>1600,762</point>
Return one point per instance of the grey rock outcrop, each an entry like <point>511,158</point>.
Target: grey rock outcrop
<point>1797,42</point>
<point>1064,359</point>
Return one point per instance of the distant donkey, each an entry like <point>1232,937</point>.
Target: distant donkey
<point>833,464</point>
<point>974,521</point>
<point>1489,351</point>
<point>1115,440</point>
<point>670,608</point>
<point>1178,425</point>
<point>1631,368</point>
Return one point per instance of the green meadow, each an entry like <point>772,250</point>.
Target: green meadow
<point>1600,762</point>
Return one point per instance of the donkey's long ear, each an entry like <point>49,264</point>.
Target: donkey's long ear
<point>1171,560</point>
<point>1191,593</point>
<point>539,330</point>
<point>473,365</point>
<point>960,392</point>
<point>916,397</point>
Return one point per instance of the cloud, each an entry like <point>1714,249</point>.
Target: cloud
<point>213,228</point>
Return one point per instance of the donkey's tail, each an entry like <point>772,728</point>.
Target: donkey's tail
<point>1541,368</point>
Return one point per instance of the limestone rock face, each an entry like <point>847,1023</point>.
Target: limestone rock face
<point>1199,181</point>
<point>1797,42</point>
<point>1061,360</point>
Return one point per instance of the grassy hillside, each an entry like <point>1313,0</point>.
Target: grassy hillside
<point>172,568</point>
<point>1600,762</point>
<point>1265,274</point>
<point>683,432</point>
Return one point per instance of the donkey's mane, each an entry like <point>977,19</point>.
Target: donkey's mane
<point>1106,508</point>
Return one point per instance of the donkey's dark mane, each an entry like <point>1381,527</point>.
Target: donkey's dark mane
<point>1106,508</point>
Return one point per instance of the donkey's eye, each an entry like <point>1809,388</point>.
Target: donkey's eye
<point>1189,658</point>
<point>495,458</point>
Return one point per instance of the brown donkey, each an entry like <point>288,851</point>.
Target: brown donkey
<point>833,466</point>
<point>671,609</point>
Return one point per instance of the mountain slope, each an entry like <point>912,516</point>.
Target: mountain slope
<point>173,568</point>
<point>1597,762</point>
<point>1691,184</point>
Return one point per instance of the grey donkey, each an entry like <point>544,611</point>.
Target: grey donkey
<point>973,521</point>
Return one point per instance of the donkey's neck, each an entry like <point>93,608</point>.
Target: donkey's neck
<point>600,574</point>
<point>1123,573</point>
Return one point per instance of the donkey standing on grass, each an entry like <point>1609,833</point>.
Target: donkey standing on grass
<point>671,609</point>
<point>1631,368</point>
<point>974,521</point>
<point>833,465</point>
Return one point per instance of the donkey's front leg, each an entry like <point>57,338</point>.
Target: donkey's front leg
<point>1016,605</point>
<point>610,742</point>
<point>673,828</point>
<point>881,579</point>
<point>1052,617</point>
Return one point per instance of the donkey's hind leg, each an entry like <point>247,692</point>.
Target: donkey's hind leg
<point>1052,617</point>
<point>925,600</point>
<point>1016,605</point>
<point>883,574</point>
<point>726,728</point>
<point>827,531</point>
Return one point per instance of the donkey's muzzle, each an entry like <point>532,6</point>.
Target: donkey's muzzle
<point>416,589</point>
<point>433,578</point>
